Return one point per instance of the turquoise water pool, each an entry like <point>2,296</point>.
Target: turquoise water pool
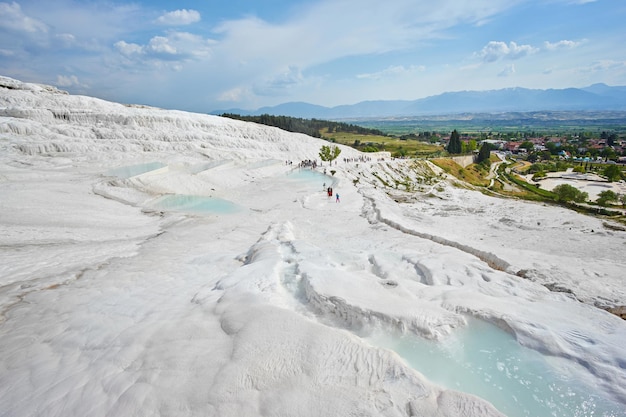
<point>133,170</point>
<point>312,176</point>
<point>195,204</point>
<point>483,360</point>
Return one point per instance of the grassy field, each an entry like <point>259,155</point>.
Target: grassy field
<point>373,143</point>
<point>546,122</point>
<point>474,174</point>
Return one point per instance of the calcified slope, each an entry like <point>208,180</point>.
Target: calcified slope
<point>113,306</point>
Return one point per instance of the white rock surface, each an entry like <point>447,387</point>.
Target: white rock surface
<point>110,306</point>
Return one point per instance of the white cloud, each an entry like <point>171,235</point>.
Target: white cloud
<point>128,49</point>
<point>469,67</point>
<point>12,18</point>
<point>176,46</point>
<point>66,40</point>
<point>235,95</point>
<point>160,45</point>
<point>251,54</point>
<point>496,50</point>
<point>38,34</point>
<point>374,27</point>
<point>303,52</point>
<point>69,81</point>
<point>191,44</point>
<point>393,72</point>
<point>277,84</point>
<point>257,50</point>
<point>604,65</point>
<point>507,71</point>
<point>179,17</point>
<point>564,44</point>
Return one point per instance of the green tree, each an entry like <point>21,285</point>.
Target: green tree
<point>329,153</point>
<point>608,153</point>
<point>545,155</point>
<point>529,146</point>
<point>400,152</point>
<point>605,197</point>
<point>612,173</point>
<point>553,148</point>
<point>454,146</point>
<point>611,139</point>
<point>566,193</point>
<point>484,154</point>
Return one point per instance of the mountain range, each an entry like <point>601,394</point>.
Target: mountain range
<point>597,97</point>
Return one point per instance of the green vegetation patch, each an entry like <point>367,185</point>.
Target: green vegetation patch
<point>475,174</point>
<point>311,127</point>
<point>375,143</point>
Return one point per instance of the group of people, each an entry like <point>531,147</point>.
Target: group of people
<point>312,163</point>
<point>308,163</point>
<point>362,158</point>
<point>329,191</point>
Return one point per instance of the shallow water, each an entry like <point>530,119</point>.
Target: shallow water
<point>312,176</point>
<point>133,170</point>
<point>195,204</point>
<point>483,360</point>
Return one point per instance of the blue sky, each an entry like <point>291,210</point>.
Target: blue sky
<point>208,55</point>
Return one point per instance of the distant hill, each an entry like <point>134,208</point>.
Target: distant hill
<point>597,97</point>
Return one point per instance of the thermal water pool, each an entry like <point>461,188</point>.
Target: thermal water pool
<point>133,170</point>
<point>309,175</point>
<point>195,204</point>
<point>203,204</point>
<point>484,360</point>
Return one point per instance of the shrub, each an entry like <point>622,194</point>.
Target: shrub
<point>612,172</point>
<point>605,197</point>
<point>566,193</point>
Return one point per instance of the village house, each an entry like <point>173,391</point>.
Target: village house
<point>513,147</point>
